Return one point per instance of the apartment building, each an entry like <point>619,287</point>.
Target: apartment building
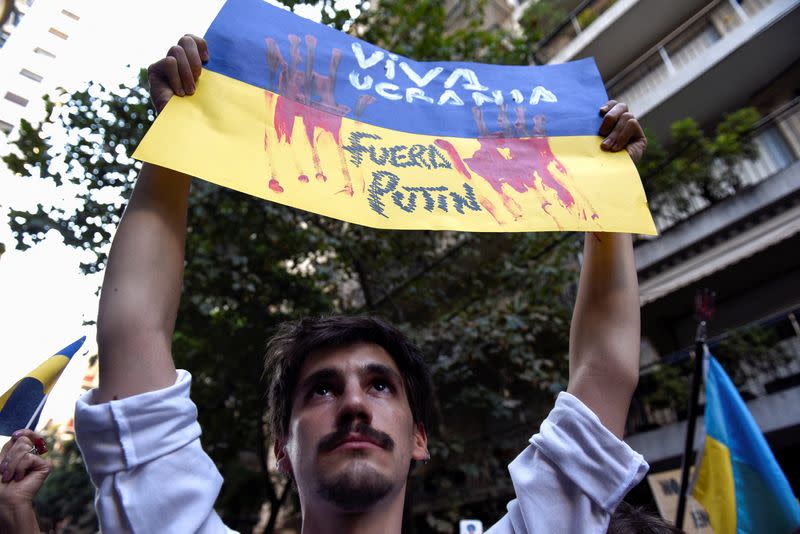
<point>703,59</point>
<point>37,41</point>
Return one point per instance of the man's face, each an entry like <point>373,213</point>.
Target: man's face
<point>351,433</point>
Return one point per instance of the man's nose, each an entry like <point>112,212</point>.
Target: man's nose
<point>353,405</point>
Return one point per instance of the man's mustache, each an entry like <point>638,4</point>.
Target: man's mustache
<point>334,439</point>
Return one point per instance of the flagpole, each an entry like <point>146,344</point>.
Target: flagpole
<point>36,414</point>
<point>704,310</point>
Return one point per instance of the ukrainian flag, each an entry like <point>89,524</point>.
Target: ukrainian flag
<point>739,482</point>
<point>21,405</point>
<point>298,113</point>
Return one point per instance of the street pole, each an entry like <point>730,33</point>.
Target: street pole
<point>704,310</point>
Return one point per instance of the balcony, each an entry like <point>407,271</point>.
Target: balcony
<point>733,234</point>
<point>777,141</point>
<point>614,32</point>
<point>707,48</point>
<point>698,69</point>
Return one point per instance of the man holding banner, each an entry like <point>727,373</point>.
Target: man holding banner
<point>349,396</point>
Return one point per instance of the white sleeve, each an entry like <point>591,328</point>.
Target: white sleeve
<point>144,457</point>
<point>572,476</point>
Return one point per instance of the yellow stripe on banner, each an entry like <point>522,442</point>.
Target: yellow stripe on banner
<point>715,488</point>
<point>49,371</point>
<point>245,138</point>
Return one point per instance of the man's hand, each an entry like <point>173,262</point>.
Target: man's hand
<point>621,130</point>
<point>22,473</point>
<point>177,73</point>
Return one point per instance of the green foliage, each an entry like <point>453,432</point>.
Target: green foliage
<point>426,31</point>
<point>667,386</point>
<point>88,150</point>
<point>697,165</point>
<point>753,351</point>
<point>586,17</point>
<point>542,17</point>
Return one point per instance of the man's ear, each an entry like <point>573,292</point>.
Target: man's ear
<point>420,452</point>
<point>281,458</point>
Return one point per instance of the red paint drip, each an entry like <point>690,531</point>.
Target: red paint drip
<point>275,186</point>
<point>302,178</point>
<point>454,157</point>
<point>488,206</point>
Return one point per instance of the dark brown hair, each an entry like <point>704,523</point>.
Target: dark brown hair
<point>294,341</point>
<point>629,520</point>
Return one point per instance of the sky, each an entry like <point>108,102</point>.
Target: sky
<point>44,300</point>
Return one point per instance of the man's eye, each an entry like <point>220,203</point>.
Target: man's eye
<point>382,386</point>
<point>321,390</point>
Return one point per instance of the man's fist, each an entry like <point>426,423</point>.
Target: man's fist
<point>621,130</point>
<point>177,73</point>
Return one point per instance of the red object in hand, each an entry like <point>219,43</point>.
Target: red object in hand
<point>40,445</point>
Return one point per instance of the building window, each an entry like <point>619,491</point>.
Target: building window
<point>42,51</point>
<point>5,127</point>
<point>15,98</point>
<point>59,33</point>
<point>70,14</point>
<point>31,75</point>
<point>774,148</point>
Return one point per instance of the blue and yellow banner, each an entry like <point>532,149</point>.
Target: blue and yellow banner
<point>21,405</point>
<point>739,482</point>
<point>304,115</point>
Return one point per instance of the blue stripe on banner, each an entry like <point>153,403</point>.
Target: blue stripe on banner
<point>250,40</point>
<point>21,404</point>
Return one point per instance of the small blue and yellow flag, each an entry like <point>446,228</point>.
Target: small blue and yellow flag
<point>739,482</point>
<point>21,405</point>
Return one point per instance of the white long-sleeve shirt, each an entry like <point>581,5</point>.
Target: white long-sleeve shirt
<point>144,456</point>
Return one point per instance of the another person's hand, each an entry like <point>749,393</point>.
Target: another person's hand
<point>22,469</point>
<point>177,73</point>
<point>22,473</point>
<point>622,130</point>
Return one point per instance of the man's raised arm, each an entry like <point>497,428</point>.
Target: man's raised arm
<point>129,444</point>
<point>605,331</point>
<point>142,284</point>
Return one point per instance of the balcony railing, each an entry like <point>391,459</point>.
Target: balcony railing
<point>684,45</point>
<point>573,25</point>
<point>777,141</point>
<point>662,396</point>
